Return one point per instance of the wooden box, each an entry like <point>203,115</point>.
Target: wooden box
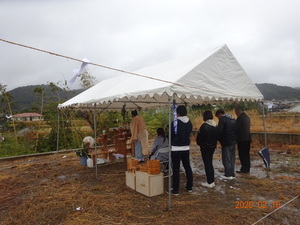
<point>130,180</point>
<point>149,185</point>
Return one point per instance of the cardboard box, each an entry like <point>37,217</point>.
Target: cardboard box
<point>149,185</point>
<point>130,180</point>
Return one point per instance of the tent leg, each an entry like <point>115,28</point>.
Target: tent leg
<point>265,133</point>
<point>170,164</point>
<point>57,137</point>
<point>264,124</point>
<point>95,136</point>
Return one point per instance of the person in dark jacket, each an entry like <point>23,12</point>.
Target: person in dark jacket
<point>227,139</point>
<point>243,137</point>
<point>207,140</point>
<point>180,141</point>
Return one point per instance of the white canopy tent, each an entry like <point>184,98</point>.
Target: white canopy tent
<point>213,75</point>
<point>210,76</point>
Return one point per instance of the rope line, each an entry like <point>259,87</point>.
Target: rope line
<point>91,63</point>
<point>111,68</point>
<point>275,210</point>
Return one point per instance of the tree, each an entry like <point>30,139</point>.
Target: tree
<point>67,133</point>
<point>7,98</point>
<point>40,91</point>
<point>87,80</point>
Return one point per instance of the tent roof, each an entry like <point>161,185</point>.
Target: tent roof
<point>213,75</point>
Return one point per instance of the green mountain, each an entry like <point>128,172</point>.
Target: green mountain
<point>25,100</point>
<point>279,93</point>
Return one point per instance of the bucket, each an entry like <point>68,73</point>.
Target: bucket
<point>153,166</point>
<point>83,160</point>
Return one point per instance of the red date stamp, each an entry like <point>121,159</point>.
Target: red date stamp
<point>256,204</point>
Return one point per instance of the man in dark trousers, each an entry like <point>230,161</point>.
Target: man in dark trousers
<point>243,137</point>
<point>180,149</point>
<point>227,139</point>
<point>207,140</point>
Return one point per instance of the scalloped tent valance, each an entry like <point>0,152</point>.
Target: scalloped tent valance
<point>211,76</point>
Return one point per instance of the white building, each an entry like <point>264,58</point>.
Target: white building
<point>27,117</point>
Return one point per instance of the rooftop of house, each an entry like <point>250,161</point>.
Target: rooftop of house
<point>28,115</point>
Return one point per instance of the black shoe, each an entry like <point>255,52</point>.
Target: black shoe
<point>239,171</point>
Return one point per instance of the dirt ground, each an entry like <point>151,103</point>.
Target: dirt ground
<point>58,190</point>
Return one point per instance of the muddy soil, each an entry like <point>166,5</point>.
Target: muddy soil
<point>58,190</point>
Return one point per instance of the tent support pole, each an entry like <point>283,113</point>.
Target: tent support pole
<point>170,160</point>
<point>95,136</point>
<point>57,137</point>
<point>264,124</point>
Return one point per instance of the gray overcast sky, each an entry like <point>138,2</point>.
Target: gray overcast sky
<point>264,36</point>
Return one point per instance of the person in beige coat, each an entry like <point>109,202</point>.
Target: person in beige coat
<point>139,136</point>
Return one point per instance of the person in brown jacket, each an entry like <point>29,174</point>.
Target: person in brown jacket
<point>139,135</point>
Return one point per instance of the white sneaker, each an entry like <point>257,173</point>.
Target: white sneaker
<point>188,190</point>
<point>208,185</point>
<point>227,178</point>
